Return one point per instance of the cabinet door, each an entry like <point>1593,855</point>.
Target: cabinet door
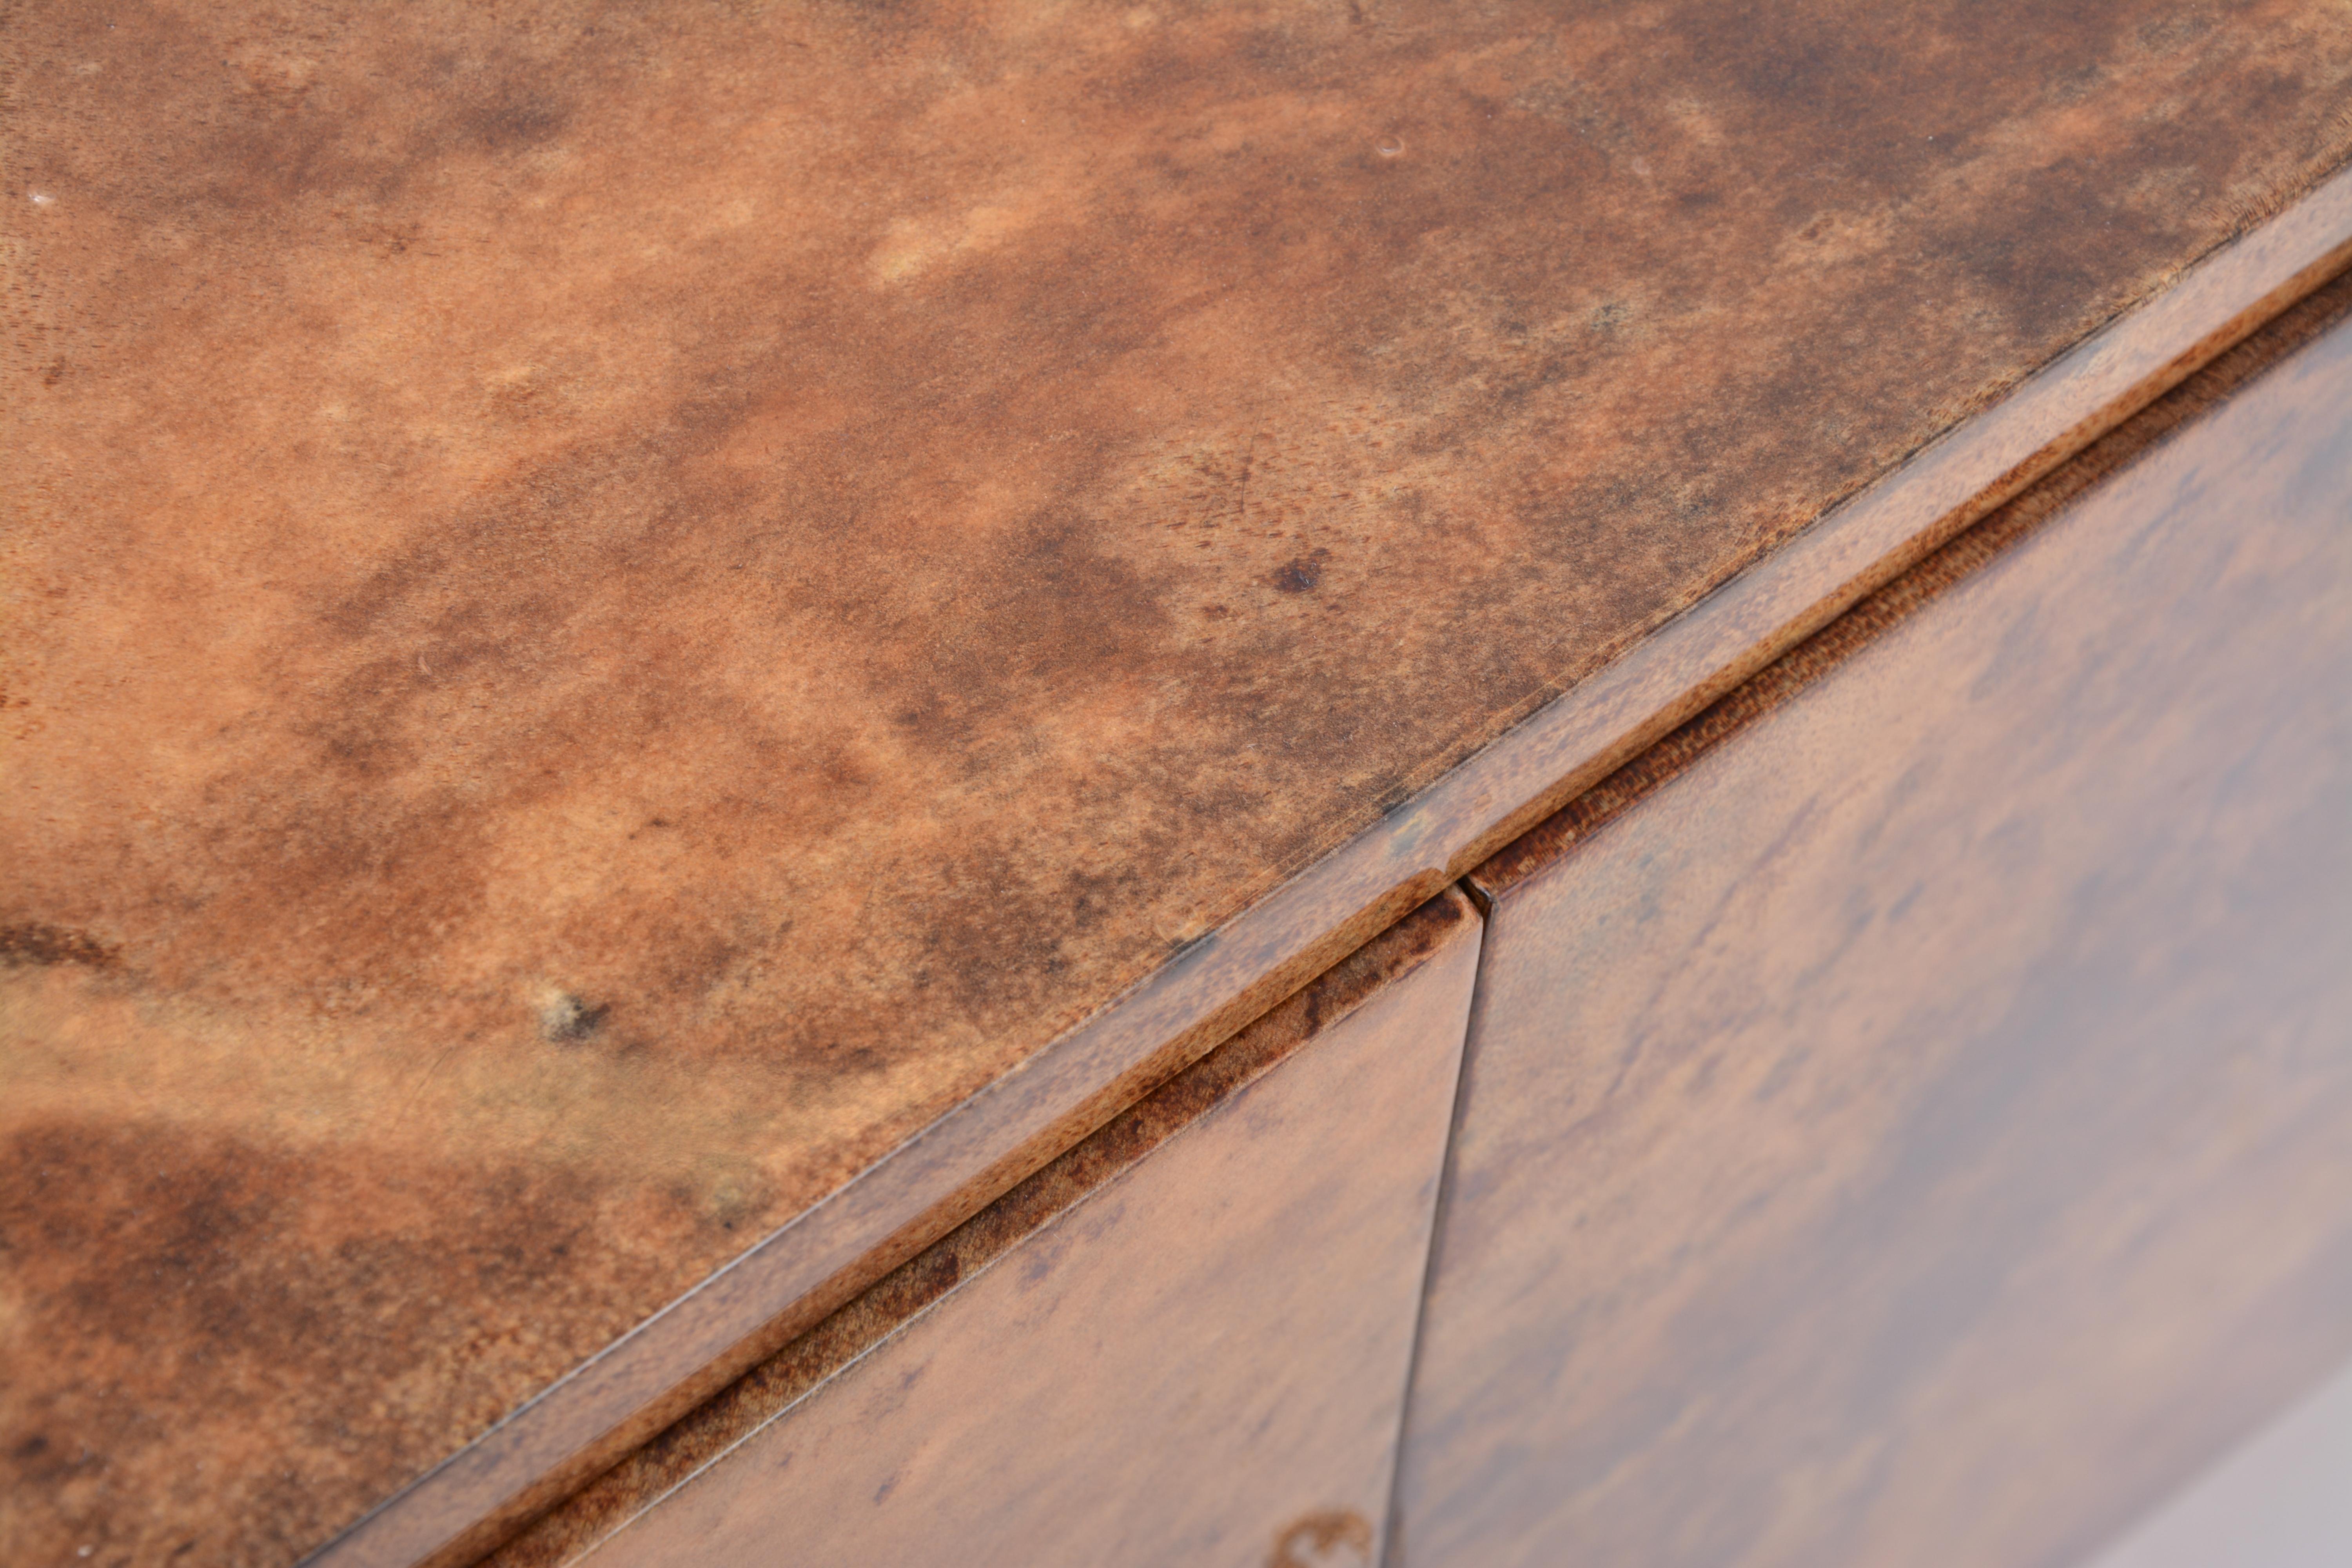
<point>1199,1361</point>
<point>1919,1129</point>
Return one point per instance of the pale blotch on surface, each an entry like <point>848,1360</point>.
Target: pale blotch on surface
<point>914,246</point>
<point>565,1019</point>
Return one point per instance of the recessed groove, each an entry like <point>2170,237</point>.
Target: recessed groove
<point>706,1433</point>
<point>947,1172</point>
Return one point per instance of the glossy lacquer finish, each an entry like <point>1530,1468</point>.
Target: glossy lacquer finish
<point>1919,1130</point>
<point>1200,1361</point>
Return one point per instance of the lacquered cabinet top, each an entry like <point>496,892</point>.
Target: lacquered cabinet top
<point>609,613</point>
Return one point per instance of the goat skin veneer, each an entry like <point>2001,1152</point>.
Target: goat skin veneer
<point>1933,1066</point>
<point>652,654</point>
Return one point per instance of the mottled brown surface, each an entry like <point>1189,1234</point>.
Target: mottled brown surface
<point>1109,1153</point>
<point>606,615</point>
<point>1542,847</point>
<point>791,1279</point>
<point>1234,1316</point>
<point>1908,1118</point>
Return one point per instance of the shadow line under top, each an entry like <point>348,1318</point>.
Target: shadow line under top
<point>658,657</point>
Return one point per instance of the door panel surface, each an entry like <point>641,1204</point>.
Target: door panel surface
<point>2279,1501</point>
<point>1921,1130</point>
<point>1202,1362</point>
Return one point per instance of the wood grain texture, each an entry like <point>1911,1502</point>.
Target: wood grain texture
<point>617,617</point>
<point>1185,1342</point>
<point>1330,1000</point>
<point>1907,1116</point>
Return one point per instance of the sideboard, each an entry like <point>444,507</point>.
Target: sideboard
<point>1283,785</point>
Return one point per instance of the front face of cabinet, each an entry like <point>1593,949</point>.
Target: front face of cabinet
<point>1200,1363</point>
<point>1921,1131</point>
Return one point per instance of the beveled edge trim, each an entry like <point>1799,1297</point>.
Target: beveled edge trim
<point>640,1480</point>
<point>1536,853</point>
<point>942,1174</point>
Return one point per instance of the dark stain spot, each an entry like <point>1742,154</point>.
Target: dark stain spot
<point>32,1447</point>
<point>566,1019</point>
<point>515,120</point>
<point>1328,1536</point>
<point>35,943</point>
<point>1299,576</point>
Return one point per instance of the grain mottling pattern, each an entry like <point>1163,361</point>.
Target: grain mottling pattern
<point>1905,1117</point>
<point>1542,847</point>
<point>609,611</point>
<point>1285,1242</point>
